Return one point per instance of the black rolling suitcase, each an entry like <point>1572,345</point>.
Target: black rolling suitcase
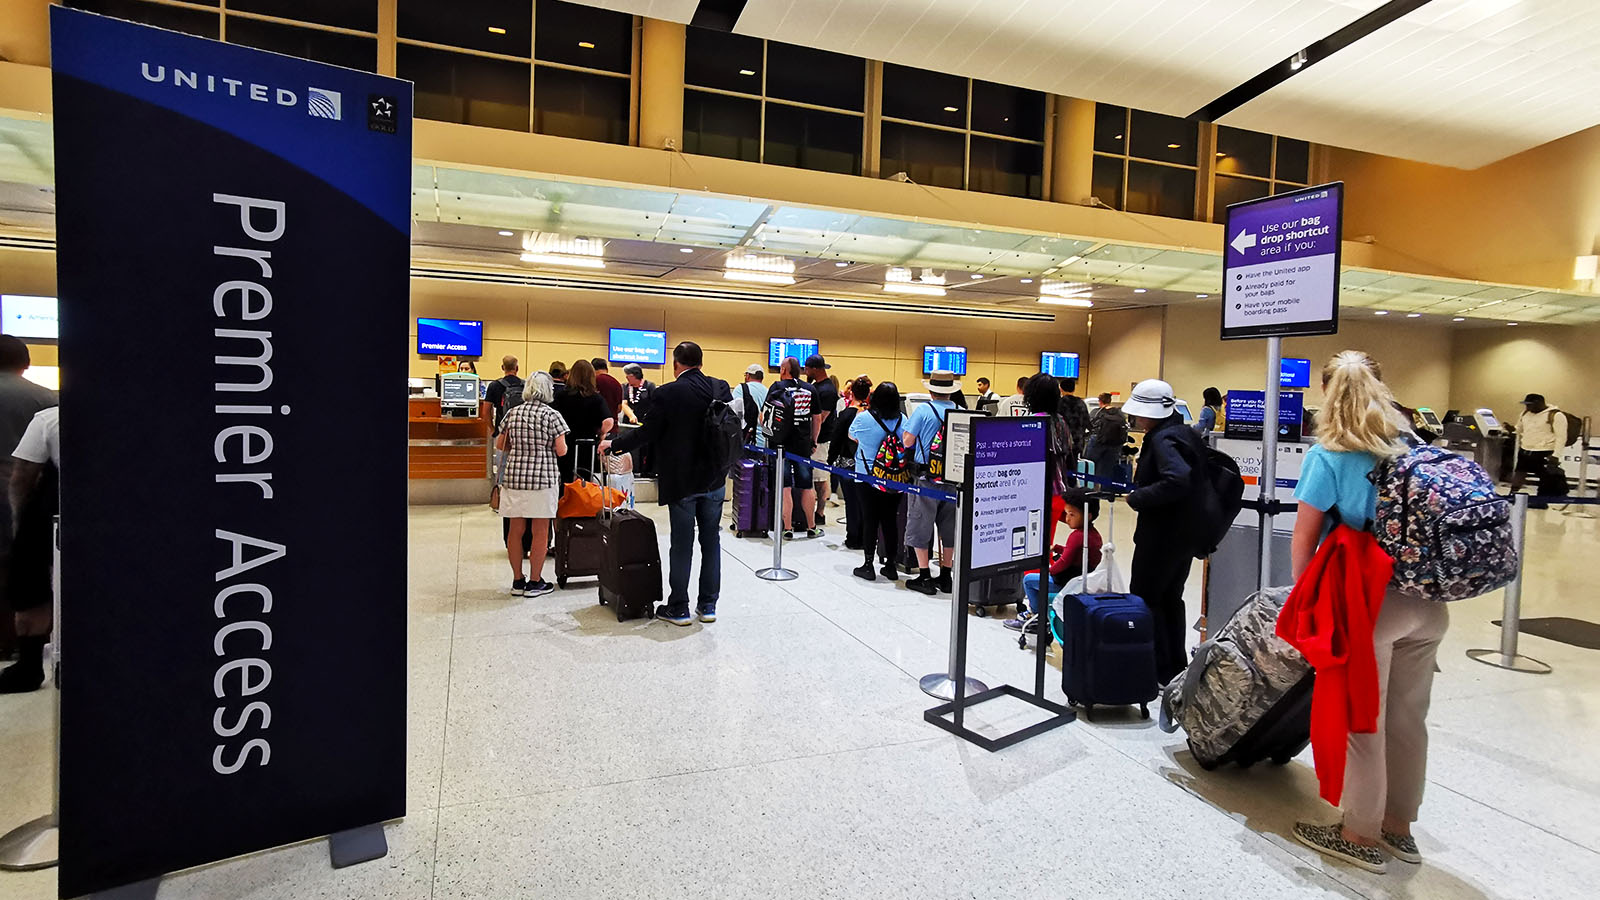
<point>578,552</point>
<point>999,590</point>
<point>630,568</point>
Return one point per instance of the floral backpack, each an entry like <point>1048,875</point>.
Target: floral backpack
<point>1445,525</point>
<point>892,462</point>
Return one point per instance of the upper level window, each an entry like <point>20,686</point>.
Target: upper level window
<point>1145,162</point>
<point>1251,165</point>
<point>948,131</point>
<point>764,101</point>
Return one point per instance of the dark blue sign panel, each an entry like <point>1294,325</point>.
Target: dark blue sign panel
<point>1280,268</point>
<point>450,337</point>
<point>1008,492</point>
<point>944,359</point>
<point>230,219</point>
<point>1294,373</point>
<point>1060,365</point>
<point>647,348</point>
<point>779,349</point>
<point>1245,411</point>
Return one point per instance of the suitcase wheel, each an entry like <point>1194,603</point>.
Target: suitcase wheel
<point>561,581</point>
<point>1144,710</point>
<point>981,612</point>
<point>1282,760</point>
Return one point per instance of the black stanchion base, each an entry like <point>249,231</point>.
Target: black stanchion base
<point>1062,716</point>
<point>358,845</point>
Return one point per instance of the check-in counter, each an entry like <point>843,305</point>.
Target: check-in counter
<point>449,455</point>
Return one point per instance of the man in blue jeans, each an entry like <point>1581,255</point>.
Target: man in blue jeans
<point>688,483</point>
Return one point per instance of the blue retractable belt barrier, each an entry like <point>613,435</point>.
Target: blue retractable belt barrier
<point>853,475</point>
<point>1547,502</point>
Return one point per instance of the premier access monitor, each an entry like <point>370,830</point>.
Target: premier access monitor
<point>450,337</point>
<point>1059,364</point>
<point>647,348</point>
<point>778,349</point>
<point>944,359</point>
<point>1294,373</point>
<point>28,317</point>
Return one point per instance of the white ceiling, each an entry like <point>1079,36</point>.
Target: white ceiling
<point>1458,82</point>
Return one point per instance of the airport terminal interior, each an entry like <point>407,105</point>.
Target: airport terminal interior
<point>910,190</point>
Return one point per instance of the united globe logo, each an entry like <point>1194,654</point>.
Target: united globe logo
<point>324,104</point>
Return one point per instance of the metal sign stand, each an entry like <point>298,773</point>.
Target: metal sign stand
<point>1507,656</point>
<point>943,684</point>
<point>1269,457</point>
<point>776,572</point>
<point>963,688</point>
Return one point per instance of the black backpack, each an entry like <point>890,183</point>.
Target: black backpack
<point>512,398</point>
<point>1226,488</point>
<point>722,435</point>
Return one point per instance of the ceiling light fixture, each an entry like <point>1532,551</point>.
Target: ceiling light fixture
<point>976,276</point>
<point>759,268</point>
<point>685,249</point>
<point>747,71</point>
<point>504,233</point>
<point>1201,296</point>
<point>496,29</point>
<point>757,277</point>
<point>1512,324</point>
<point>1381,312</point>
<point>841,264</point>
<point>549,249</point>
<point>1458,319</point>
<point>1173,146</point>
<point>587,45</point>
<point>1413,315</point>
<point>1118,137</point>
<point>899,280</point>
<point>951,109</point>
<point>1298,61</point>
<point>1079,302</point>
<point>1140,291</point>
<point>1027,281</point>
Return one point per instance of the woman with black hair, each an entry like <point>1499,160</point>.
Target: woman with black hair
<point>842,452</point>
<point>1212,412</point>
<point>879,452</point>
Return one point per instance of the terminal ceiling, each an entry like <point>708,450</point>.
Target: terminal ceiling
<point>1454,82</point>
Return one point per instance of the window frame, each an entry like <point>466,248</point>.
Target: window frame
<point>968,133</point>
<point>1126,157</point>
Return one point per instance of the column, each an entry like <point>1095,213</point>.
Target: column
<point>1072,151</point>
<point>661,84</point>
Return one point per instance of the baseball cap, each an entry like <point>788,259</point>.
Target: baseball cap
<point>754,369</point>
<point>816,362</point>
<point>1533,399</point>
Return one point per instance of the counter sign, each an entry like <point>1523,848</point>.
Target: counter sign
<point>1280,267</point>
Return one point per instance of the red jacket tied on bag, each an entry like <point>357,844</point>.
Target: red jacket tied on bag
<point>1329,618</point>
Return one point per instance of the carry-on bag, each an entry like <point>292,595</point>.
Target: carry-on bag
<point>577,538</point>
<point>630,567</point>
<point>752,497</point>
<point>1108,650</point>
<point>1246,695</point>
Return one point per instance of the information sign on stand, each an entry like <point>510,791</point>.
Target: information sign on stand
<point>1280,267</point>
<point>1002,529</point>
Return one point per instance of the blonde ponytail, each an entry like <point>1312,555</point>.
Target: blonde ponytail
<point>1357,407</point>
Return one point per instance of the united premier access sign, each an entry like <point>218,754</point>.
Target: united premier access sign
<point>1280,267</point>
<point>231,224</point>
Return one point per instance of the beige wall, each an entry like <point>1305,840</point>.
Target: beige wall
<point>539,325</point>
<point>1520,220</point>
<point>1496,367</point>
<point>1416,358</point>
<point>1125,348</point>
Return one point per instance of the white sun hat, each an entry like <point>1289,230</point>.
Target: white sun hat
<point>1151,399</point>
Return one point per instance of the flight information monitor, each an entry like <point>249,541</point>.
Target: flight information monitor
<point>944,359</point>
<point>779,349</point>
<point>29,317</point>
<point>648,348</point>
<point>1061,365</point>
<point>1294,373</point>
<point>450,337</point>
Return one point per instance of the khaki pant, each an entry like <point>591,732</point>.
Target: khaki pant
<point>1386,770</point>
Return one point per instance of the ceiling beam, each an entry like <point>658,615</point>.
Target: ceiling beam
<point>1303,59</point>
<point>718,15</point>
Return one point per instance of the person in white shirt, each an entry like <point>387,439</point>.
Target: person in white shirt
<point>748,413</point>
<point>32,490</point>
<point>1540,432</point>
<point>987,399</point>
<point>1014,405</point>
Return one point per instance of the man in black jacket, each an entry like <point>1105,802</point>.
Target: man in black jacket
<point>1169,498</point>
<point>688,485</point>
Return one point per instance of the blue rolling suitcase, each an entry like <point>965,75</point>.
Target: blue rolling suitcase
<point>1108,653</point>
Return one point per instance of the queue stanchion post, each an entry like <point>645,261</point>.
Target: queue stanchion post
<point>1581,512</point>
<point>1269,457</point>
<point>944,685</point>
<point>776,572</point>
<point>35,844</point>
<point>1506,656</point>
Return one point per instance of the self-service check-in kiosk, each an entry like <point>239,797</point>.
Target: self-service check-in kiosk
<point>1480,436</point>
<point>458,394</point>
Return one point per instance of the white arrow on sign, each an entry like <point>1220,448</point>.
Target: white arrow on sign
<point>1243,241</point>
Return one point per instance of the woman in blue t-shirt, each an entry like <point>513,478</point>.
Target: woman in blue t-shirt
<point>1386,770</point>
<point>880,419</point>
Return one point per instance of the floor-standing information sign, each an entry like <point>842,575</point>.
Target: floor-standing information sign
<point>233,233</point>
<point>1004,530</point>
<point>1280,278</point>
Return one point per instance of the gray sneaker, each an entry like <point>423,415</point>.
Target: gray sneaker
<point>1329,841</point>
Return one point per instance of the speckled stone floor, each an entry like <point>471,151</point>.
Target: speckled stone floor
<point>781,752</point>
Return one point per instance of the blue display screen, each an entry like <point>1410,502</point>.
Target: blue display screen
<point>1061,365</point>
<point>450,337</point>
<point>780,348</point>
<point>648,348</point>
<point>944,359</point>
<point>1245,411</point>
<point>1294,373</point>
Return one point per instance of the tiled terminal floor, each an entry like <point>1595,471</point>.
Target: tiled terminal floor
<point>781,752</point>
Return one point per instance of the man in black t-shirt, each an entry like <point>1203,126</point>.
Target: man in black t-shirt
<point>1074,414</point>
<point>789,419</point>
<point>825,407</point>
<point>636,396</point>
<point>504,393</point>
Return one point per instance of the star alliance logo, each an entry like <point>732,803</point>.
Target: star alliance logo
<point>381,113</point>
<point>324,104</point>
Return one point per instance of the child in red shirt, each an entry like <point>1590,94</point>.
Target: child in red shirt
<point>1066,561</point>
